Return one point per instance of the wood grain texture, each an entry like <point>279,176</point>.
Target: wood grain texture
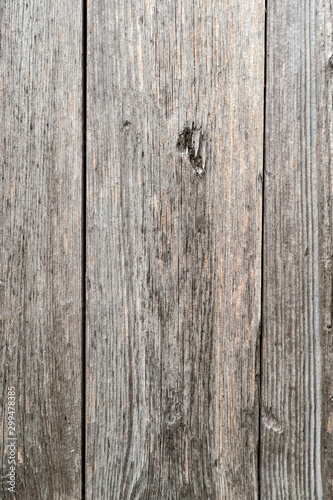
<point>41,162</point>
<point>174,193</point>
<point>297,411</point>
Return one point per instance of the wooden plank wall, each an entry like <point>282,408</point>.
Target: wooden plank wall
<point>297,362</point>
<point>199,207</point>
<point>41,168</point>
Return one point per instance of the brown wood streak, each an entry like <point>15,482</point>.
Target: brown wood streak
<point>41,143</point>
<point>297,433</point>
<point>173,254</point>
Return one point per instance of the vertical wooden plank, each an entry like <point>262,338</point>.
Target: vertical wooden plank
<point>41,162</point>
<point>297,416</point>
<point>175,124</point>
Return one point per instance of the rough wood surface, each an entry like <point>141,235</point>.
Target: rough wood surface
<point>41,162</point>
<point>175,127</point>
<point>297,410</point>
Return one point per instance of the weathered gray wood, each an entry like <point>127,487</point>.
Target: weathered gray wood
<point>175,126</point>
<point>41,161</point>
<point>297,413</point>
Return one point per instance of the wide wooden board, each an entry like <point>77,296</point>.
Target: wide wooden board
<point>174,198</point>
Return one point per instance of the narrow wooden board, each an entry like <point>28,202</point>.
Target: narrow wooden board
<point>297,413</point>
<point>41,164</point>
<point>175,144</point>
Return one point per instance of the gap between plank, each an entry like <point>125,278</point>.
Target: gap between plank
<point>262,254</point>
<point>84,242</point>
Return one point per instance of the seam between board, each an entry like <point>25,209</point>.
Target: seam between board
<point>84,245</point>
<point>259,479</point>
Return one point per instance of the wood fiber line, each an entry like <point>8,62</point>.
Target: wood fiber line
<point>40,286</point>
<point>174,194</point>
